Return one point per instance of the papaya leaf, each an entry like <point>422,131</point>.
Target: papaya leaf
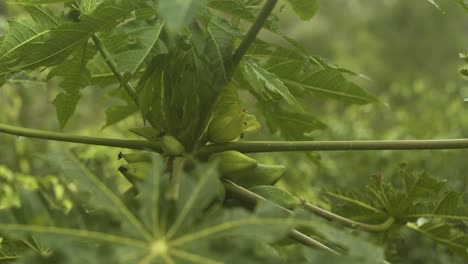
<point>304,74</point>
<point>266,84</point>
<point>73,76</point>
<point>65,105</point>
<point>147,228</point>
<point>66,37</point>
<point>305,9</point>
<point>291,125</point>
<point>145,41</point>
<point>24,36</point>
<point>117,113</point>
<point>220,46</point>
<point>446,234</point>
<point>414,200</point>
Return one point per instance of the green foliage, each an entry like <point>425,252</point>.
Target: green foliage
<point>416,201</point>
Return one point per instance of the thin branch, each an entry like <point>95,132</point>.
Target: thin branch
<point>346,221</point>
<point>284,146</point>
<point>113,67</point>
<point>240,193</point>
<point>253,32</point>
<point>110,142</point>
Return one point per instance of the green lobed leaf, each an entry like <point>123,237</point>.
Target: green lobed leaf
<point>266,84</point>
<point>144,41</point>
<point>24,36</point>
<point>117,113</point>
<point>304,74</point>
<point>65,38</point>
<point>65,105</point>
<point>290,124</point>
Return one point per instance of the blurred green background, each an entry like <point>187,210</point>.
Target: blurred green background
<point>408,49</point>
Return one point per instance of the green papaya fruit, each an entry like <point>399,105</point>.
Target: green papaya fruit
<point>233,161</point>
<point>229,120</point>
<point>226,127</point>
<point>136,171</point>
<point>263,174</point>
<point>277,195</point>
<point>171,146</point>
<point>135,157</point>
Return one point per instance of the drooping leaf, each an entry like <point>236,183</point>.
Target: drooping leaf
<point>65,105</point>
<point>74,76</point>
<point>266,84</point>
<point>115,114</point>
<point>291,125</point>
<point>304,74</point>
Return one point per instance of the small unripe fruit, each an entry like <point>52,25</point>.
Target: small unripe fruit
<point>263,174</point>
<point>233,161</point>
<point>135,157</point>
<point>226,127</point>
<point>171,146</point>
<point>136,171</point>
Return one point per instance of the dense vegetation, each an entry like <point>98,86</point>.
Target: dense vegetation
<point>193,94</point>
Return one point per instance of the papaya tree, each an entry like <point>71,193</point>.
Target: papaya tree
<point>189,189</point>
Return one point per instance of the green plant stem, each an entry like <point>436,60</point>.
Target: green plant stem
<point>284,146</point>
<point>110,142</point>
<point>240,193</point>
<point>252,33</point>
<point>346,221</point>
<point>113,67</point>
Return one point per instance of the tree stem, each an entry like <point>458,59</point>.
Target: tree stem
<point>240,193</point>
<point>114,68</point>
<point>253,32</point>
<point>110,142</point>
<point>346,221</point>
<point>284,146</point>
